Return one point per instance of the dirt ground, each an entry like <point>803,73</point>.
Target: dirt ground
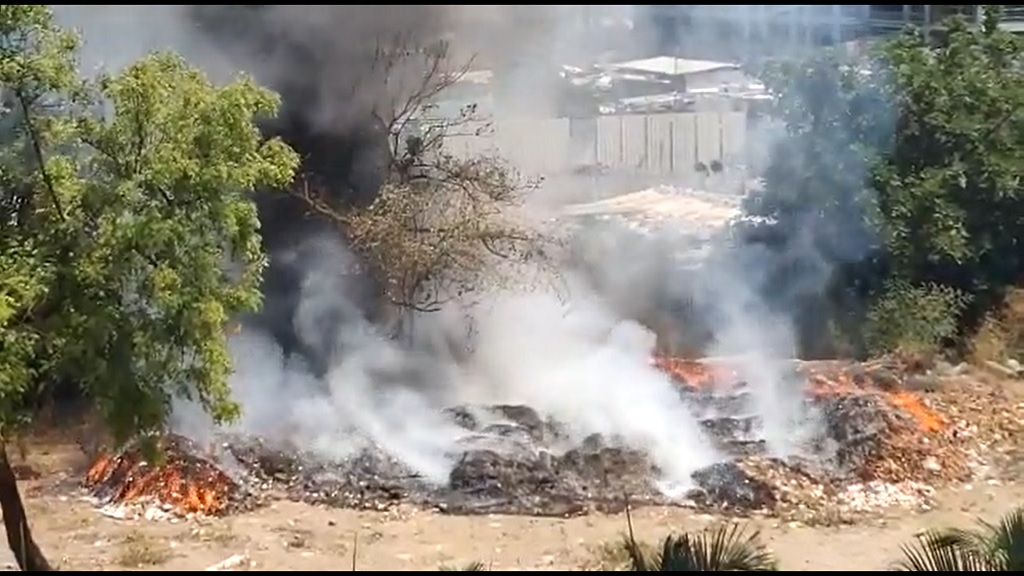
<point>289,536</point>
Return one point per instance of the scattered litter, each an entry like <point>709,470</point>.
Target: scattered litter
<point>231,563</point>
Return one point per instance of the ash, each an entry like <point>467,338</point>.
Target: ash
<point>508,466</point>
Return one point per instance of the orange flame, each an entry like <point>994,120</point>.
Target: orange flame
<point>697,374</point>
<point>910,403</point>
<point>184,488</point>
<point>689,373</point>
<point>99,470</point>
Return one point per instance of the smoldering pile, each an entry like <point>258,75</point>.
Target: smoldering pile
<point>881,446</point>
<point>511,463</point>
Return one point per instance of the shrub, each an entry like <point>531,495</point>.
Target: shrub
<point>914,320</point>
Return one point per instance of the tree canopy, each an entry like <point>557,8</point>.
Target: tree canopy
<point>128,235</point>
<point>902,169</point>
<point>128,238</point>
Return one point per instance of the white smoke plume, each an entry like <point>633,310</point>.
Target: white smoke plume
<point>577,356</point>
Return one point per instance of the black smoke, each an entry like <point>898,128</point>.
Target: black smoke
<point>325,62</point>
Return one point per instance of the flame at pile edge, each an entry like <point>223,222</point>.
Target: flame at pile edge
<point>182,484</point>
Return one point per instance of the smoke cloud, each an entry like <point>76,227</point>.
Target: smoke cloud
<point>316,370</point>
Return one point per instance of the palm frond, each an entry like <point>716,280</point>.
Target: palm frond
<point>1006,542</point>
<point>724,549</point>
<point>941,551</point>
<point>999,545</point>
<point>640,561</point>
<point>471,567</point>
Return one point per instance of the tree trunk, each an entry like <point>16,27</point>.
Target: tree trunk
<point>19,538</point>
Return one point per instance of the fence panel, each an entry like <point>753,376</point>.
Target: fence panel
<point>653,144</point>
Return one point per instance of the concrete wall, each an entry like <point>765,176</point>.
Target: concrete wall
<point>649,144</point>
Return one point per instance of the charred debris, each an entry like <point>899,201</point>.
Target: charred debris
<point>511,460</point>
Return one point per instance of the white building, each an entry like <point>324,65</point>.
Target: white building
<point>686,75</point>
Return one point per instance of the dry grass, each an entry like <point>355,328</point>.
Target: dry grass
<point>294,538</point>
<point>990,343</point>
<point>220,534</point>
<point>612,556</point>
<point>139,551</point>
<point>1001,336</point>
<point>607,557</point>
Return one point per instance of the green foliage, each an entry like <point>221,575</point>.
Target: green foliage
<point>128,200</point>
<point>35,61</point>
<point>912,319</point>
<point>932,553</point>
<point>168,192</point>
<point>902,168</point>
<point>722,549</point>
<point>990,548</point>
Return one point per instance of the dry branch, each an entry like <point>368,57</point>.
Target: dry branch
<point>442,224</point>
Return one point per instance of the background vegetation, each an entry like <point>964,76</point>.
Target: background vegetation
<point>902,171</point>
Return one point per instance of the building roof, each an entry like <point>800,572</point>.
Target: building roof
<point>669,66</point>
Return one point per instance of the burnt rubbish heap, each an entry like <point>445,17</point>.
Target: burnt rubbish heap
<point>877,447</point>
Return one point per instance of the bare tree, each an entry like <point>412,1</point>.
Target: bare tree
<point>443,224</point>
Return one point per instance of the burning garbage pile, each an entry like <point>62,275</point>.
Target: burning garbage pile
<point>506,466</point>
<point>880,445</point>
<point>180,481</point>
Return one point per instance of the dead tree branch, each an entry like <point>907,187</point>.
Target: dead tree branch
<point>443,225</point>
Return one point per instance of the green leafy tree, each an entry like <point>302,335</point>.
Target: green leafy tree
<point>127,236</point>
<point>903,166</point>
